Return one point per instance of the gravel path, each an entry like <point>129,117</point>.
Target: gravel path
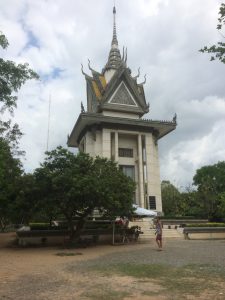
<point>175,253</point>
<point>39,274</point>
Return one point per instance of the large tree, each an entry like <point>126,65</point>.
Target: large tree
<point>10,171</point>
<point>218,50</point>
<point>75,185</point>
<point>210,183</point>
<point>12,77</point>
<point>24,206</point>
<point>171,199</point>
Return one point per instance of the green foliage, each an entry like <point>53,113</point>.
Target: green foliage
<point>208,201</point>
<point>10,171</point>
<point>206,225</point>
<point>25,206</point>
<point>218,50</point>
<point>12,77</point>
<point>177,218</point>
<point>192,205</point>
<point>12,184</point>
<point>38,226</point>
<point>3,41</point>
<point>75,185</point>
<point>210,183</point>
<point>11,134</point>
<point>171,200</point>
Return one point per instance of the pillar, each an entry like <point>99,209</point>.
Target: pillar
<point>140,172</point>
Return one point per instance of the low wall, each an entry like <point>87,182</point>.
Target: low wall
<point>61,237</point>
<point>183,221</point>
<point>204,232</point>
<point>208,235</point>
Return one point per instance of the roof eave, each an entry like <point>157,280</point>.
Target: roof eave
<point>86,120</point>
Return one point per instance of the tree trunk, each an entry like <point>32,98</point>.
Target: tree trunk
<point>2,224</point>
<point>79,226</point>
<point>75,231</point>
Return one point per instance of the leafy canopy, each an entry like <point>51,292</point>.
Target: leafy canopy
<point>10,171</point>
<point>171,199</point>
<point>12,77</point>
<point>210,182</point>
<point>218,50</point>
<point>75,185</point>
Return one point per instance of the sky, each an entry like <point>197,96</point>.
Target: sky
<point>162,37</point>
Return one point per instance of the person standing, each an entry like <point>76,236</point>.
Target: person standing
<point>158,233</point>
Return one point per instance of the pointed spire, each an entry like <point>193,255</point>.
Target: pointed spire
<point>114,59</point>
<point>114,39</point>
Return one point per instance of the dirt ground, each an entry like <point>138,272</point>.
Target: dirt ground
<point>62,274</point>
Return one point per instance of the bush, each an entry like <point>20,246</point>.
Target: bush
<point>206,225</point>
<point>172,217</point>
<point>63,225</point>
<point>46,226</point>
<point>39,226</point>
<point>216,220</point>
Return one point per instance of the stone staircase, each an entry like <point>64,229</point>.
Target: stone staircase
<point>146,225</point>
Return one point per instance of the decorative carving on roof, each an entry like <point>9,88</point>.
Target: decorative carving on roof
<point>161,121</point>
<point>115,90</point>
<point>82,70</point>
<point>143,81</point>
<point>123,96</point>
<point>86,121</point>
<point>89,66</point>
<point>123,54</point>
<point>82,107</point>
<point>101,88</point>
<point>125,59</point>
<point>136,77</point>
<point>175,118</point>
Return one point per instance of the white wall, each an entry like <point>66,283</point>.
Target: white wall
<point>120,114</point>
<point>153,172</point>
<point>102,142</point>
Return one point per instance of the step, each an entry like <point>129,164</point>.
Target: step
<point>167,233</point>
<point>149,231</point>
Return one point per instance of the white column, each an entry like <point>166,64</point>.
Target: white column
<point>106,143</point>
<point>116,146</point>
<point>153,173</point>
<point>140,172</point>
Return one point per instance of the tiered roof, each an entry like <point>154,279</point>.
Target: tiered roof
<point>119,92</point>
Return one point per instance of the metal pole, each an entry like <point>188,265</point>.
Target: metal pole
<point>113,240</point>
<point>49,112</point>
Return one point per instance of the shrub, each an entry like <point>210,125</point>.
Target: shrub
<point>206,225</point>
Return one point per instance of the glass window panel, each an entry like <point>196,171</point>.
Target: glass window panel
<point>128,171</point>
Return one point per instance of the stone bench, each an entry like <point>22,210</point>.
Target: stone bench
<point>193,230</point>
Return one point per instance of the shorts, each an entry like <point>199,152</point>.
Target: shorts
<point>158,237</point>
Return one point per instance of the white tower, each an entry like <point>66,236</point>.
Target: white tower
<point>113,127</point>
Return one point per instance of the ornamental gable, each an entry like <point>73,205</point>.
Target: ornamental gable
<point>122,96</point>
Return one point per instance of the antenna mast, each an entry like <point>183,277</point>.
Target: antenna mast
<point>49,113</point>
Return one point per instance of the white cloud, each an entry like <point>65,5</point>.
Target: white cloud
<point>201,140</point>
<point>151,7</point>
<point>163,38</point>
